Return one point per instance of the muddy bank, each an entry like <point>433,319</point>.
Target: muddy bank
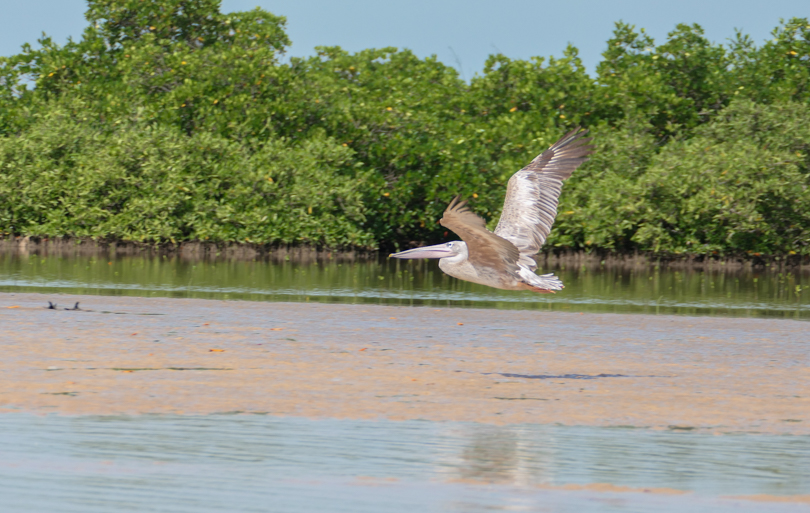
<point>199,250</point>
<point>157,355</point>
<point>193,251</point>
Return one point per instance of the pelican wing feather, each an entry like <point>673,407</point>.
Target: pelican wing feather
<point>485,249</point>
<point>533,193</point>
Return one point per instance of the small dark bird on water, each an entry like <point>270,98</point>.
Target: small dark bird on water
<point>54,306</point>
<point>504,259</point>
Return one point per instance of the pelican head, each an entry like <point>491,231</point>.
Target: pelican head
<point>457,249</point>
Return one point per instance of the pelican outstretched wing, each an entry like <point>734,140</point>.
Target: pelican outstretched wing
<point>532,194</point>
<point>484,247</point>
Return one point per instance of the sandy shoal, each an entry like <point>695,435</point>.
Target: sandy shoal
<point>127,355</point>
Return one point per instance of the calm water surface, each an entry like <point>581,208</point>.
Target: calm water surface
<point>256,463</point>
<point>394,282</point>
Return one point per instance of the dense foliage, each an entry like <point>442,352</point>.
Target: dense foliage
<point>171,121</point>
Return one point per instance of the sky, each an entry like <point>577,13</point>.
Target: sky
<point>461,33</point>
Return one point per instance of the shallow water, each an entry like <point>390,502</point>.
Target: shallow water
<point>177,463</point>
<point>258,463</point>
<point>393,282</point>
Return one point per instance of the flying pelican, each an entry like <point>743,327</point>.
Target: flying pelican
<point>503,259</point>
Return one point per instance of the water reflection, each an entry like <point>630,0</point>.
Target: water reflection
<point>491,454</point>
<point>647,290</point>
<point>245,463</point>
<point>539,454</point>
<point>501,454</point>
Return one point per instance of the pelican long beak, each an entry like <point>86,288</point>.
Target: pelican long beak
<point>437,251</point>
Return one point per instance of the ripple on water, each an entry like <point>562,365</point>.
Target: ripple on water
<point>264,463</point>
<point>645,290</point>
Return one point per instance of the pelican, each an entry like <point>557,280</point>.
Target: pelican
<point>504,259</point>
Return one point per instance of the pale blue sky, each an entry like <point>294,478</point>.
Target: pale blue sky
<point>462,33</point>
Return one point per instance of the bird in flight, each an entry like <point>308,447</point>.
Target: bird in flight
<point>504,259</point>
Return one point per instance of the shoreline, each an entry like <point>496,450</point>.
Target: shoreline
<point>135,355</point>
<point>201,250</point>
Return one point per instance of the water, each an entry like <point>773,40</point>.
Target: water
<point>394,282</point>
<point>257,463</point>
<point>173,463</point>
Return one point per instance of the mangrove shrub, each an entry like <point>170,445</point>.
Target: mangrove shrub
<point>171,121</point>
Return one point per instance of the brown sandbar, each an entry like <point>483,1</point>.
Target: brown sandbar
<point>157,355</point>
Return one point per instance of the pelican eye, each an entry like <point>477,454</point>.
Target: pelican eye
<point>449,244</point>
